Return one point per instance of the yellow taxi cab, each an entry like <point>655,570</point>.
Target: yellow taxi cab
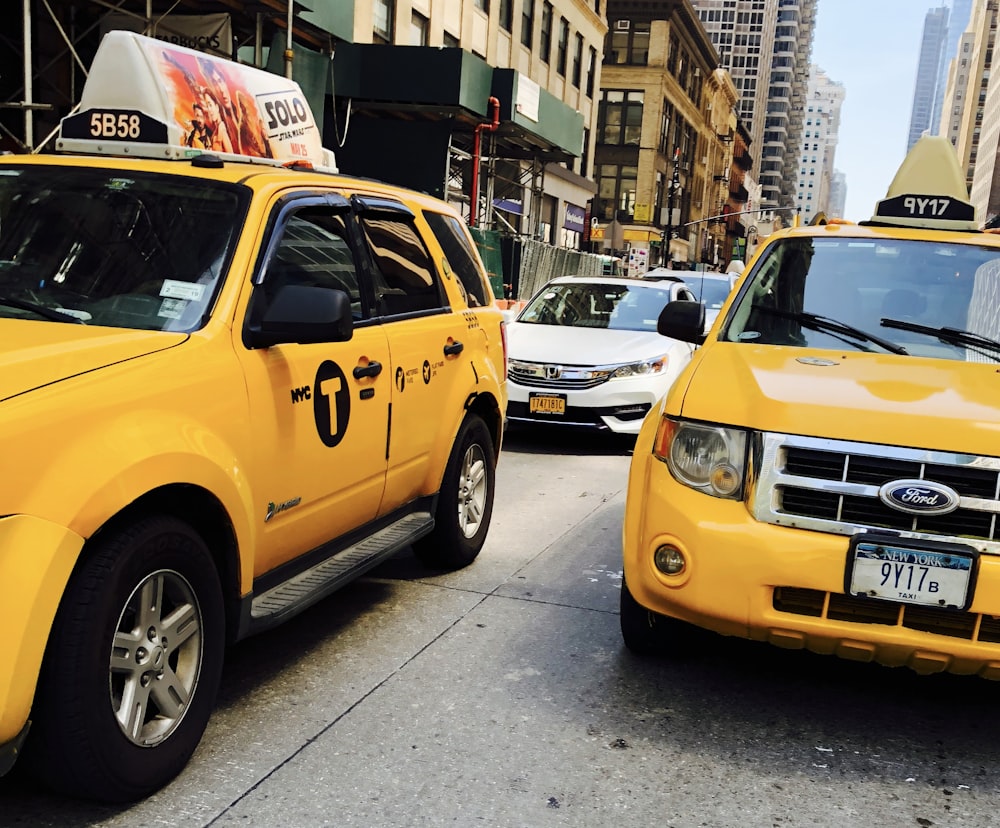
<point>825,474</point>
<point>233,380</point>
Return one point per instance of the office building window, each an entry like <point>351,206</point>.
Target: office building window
<point>591,72</point>
<point>482,5</point>
<point>383,12</point>
<point>418,29</point>
<point>577,61</point>
<point>619,117</point>
<point>563,46</point>
<point>506,15</point>
<point>545,35</point>
<point>629,43</point>
<point>616,186</point>
<point>527,22</point>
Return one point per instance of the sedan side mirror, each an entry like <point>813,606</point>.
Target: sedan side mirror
<point>683,320</point>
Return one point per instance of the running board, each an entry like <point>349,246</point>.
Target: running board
<point>303,590</point>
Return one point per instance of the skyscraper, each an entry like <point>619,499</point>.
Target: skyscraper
<point>766,45</point>
<point>819,147</point>
<point>927,91</point>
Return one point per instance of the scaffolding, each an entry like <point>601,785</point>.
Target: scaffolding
<point>44,61</point>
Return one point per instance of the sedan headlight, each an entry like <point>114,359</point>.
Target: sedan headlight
<point>641,369</point>
<point>709,458</point>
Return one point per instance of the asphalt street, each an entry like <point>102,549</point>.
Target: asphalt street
<point>501,695</point>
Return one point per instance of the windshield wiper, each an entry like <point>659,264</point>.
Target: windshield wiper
<point>825,323</point>
<point>41,310</point>
<point>952,336</point>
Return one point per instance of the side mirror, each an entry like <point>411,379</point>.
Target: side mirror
<point>683,320</point>
<point>303,314</point>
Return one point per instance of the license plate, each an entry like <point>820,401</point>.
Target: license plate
<point>894,569</point>
<point>547,403</point>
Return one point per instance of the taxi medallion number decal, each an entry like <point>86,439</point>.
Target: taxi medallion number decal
<point>890,569</point>
<point>331,403</point>
<point>114,124</point>
<point>547,404</point>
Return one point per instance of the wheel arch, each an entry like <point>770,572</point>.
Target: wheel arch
<point>207,516</point>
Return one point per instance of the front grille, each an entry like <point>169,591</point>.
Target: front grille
<point>571,378</point>
<point>858,610</point>
<point>833,486</point>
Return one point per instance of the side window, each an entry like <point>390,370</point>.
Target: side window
<point>313,250</point>
<point>461,258</point>
<point>405,280</point>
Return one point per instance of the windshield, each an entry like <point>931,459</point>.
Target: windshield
<point>713,291</point>
<point>597,305</point>
<point>106,247</point>
<point>912,296</point>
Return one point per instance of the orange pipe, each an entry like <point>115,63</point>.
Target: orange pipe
<point>491,126</point>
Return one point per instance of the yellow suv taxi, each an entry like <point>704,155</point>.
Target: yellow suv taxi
<point>231,384</point>
<point>825,474</point>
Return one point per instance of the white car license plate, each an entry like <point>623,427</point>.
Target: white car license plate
<point>891,570</point>
<point>547,403</point>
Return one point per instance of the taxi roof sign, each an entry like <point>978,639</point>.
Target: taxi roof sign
<point>928,190</point>
<point>150,99</point>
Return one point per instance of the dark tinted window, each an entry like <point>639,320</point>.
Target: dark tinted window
<point>405,280</point>
<point>461,258</point>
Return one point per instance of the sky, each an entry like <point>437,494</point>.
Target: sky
<point>871,47</point>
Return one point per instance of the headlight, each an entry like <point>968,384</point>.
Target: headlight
<point>711,459</point>
<point>640,369</point>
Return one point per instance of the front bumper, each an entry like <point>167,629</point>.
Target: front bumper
<point>785,585</point>
<point>618,405</point>
<point>36,559</point>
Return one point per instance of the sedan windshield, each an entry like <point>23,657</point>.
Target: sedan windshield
<point>103,247</point>
<point>922,298</point>
<point>597,305</point>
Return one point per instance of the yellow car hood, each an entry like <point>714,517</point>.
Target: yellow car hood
<point>35,354</point>
<point>849,395</point>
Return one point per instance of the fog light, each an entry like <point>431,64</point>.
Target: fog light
<point>724,479</point>
<point>669,560</point>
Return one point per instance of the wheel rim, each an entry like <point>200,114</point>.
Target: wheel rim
<point>156,657</point>
<point>473,488</point>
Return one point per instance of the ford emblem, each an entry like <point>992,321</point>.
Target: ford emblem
<point>919,497</point>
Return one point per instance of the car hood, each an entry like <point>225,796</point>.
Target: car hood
<point>585,346</point>
<point>872,398</point>
<point>35,354</point>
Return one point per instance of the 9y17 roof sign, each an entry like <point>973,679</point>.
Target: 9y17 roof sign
<point>150,99</point>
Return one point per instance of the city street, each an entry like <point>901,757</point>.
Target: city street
<point>501,695</point>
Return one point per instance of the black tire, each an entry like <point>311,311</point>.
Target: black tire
<point>465,502</point>
<point>108,655</point>
<point>648,633</point>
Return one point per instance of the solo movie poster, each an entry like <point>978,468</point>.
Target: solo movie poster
<point>222,106</point>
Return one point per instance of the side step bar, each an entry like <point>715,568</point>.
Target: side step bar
<point>303,590</point>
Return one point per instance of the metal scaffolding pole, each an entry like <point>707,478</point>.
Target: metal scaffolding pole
<point>29,118</point>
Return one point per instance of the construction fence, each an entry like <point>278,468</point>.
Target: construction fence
<point>517,267</point>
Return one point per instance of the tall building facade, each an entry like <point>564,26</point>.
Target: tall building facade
<point>984,167</point>
<point>819,146</point>
<point>958,20</point>
<point>929,64</point>
<point>767,45</point>
<point>969,130</point>
<point>667,138</point>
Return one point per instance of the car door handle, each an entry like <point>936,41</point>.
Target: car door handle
<point>372,369</point>
<point>453,348</point>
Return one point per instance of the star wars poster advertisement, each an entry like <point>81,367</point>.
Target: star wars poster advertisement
<point>222,106</point>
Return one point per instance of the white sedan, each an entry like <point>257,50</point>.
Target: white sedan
<point>585,352</point>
